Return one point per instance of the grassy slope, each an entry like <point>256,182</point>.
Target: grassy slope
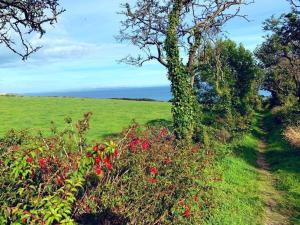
<point>109,116</point>
<point>285,164</point>
<point>238,196</point>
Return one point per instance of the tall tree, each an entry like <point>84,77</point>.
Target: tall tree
<point>21,18</point>
<point>172,32</point>
<point>280,55</point>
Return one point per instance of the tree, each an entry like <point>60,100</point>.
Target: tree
<point>172,32</point>
<point>280,55</point>
<point>227,80</point>
<point>21,18</point>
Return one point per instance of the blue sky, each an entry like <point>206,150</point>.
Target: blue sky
<point>80,52</point>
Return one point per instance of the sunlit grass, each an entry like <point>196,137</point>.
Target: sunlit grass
<point>109,116</point>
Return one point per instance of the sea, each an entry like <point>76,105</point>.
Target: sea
<point>162,93</point>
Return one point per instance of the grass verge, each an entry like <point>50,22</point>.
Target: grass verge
<point>285,166</point>
<point>237,195</point>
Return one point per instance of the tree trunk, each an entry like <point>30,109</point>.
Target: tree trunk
<point>183,95</point>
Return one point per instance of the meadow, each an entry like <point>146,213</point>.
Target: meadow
<point>109,116</point>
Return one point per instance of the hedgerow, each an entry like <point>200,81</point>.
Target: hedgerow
<point>142,177</point>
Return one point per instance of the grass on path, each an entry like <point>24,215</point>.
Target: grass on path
<point>248,191</point>
<point>285,167</point>
<point>109,116</point>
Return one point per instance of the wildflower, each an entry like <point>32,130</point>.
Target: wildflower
<point>98,170</point>
<point>29,159</point>
<point>96,148</point>
<point>153,170</point>
<point>146,145</point>
<point>108,163</point>
<point>98,160</point>
<point>134,143</point>
<point>187,212</point>
<point>42,162</point>
<point>89,155</point>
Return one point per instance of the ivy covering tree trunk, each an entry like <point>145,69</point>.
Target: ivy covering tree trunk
<point>161,29</point>
<point>181,86</point>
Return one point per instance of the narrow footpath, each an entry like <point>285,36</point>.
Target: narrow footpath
<point>271,197</point>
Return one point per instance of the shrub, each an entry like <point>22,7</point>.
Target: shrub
<point>139,178</point>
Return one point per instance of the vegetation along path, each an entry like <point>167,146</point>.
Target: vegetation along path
<point>260,181</point>
<point>271,147</point>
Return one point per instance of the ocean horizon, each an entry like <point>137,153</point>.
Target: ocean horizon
<point>161,93</point>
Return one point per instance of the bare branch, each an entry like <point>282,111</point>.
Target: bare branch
<point>20,18</point>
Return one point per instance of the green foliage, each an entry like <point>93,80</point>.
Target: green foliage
<point>42,177</point>
<point>285,164</point>
<point>61,179</point>
<point>183,102</point>
<point>280,57</point>
<point>227,86</point>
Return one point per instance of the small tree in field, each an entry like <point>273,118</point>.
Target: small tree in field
<point>20,18</point>
<point>172,32</point>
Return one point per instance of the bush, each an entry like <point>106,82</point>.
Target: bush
<point>140,178</point>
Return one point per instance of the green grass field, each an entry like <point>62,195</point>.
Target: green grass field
<point>109,116</point>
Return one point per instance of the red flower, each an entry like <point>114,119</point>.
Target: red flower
<point>108,163</point>
<point>98,170</point>
<point>187,212</point>
<point>153,170</point>
<point>42,162</point>
<point>89,155</point>
<point>116,153</point>
<point>134,143</point>
<point>96,148</point>
<point>98,160</point>
<point>145,145</point>
<point>153,180</point>
<point>29,159</point>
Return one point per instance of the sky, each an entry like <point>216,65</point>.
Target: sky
<point>81,52</point>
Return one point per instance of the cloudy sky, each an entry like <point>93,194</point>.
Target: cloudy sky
<point>81,51</point>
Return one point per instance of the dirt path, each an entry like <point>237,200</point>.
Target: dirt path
<point>270,195</point>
